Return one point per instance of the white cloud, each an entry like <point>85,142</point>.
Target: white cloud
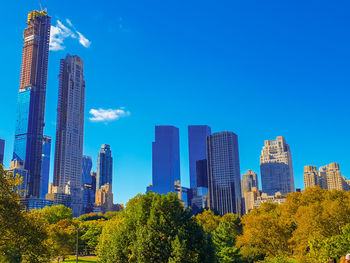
<point>83,40</point>
<point>102,115</point>
<point>60,32</point>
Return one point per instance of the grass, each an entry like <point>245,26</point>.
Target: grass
<point>71,259</point>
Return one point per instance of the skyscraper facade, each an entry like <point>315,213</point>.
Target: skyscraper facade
<point>70,131</point>
<point>45,167</point>
<point>2,151</point>
<point>197,140</point>
<point>332,179</point>
<point>249,180</point>
<point>165,159</point>
<point>104,167</point>
<point>224,180</point>
<point>17,168</point>
<point>311,176</point>
<point>276,167</point>
<point>31,98</point>
<point>88,193</point>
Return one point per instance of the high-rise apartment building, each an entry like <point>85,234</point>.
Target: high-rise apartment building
<point>2,151</point>
<point>249,180</point>
<point>104,167</point>
<point>328,177</point>
<point>165,160</point>
<point>104,198</point>
<point>45,167</point>
<point>276,167</point>
<point>224,180</point>
<point>332,175</point>
<point>197,147</point>
<point>31,98</point>
<point>70,131</point>
<point>311,176</point>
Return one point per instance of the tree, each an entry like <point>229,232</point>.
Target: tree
<point>208,220</point>
<point>23,235</point>
<point>154,228</point>
<point>224,239</point>
<point>56,213</point>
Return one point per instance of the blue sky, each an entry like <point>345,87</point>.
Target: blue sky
<point>258,68</point>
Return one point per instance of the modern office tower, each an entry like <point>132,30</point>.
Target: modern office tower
<point>93,185</point>
<point>2,151</point>
<point>165,159</point>
<point>276,167</point>
<point>311,176</point>
<point>70,131</point>
<point>17,168</point>
<point>249,180</point>
<point>197,147</point>
<point>88,193</point>
<point>104,167</point>
<point>45,167</point>
<point>332,174</point>
<point>31,98</point>
<point>224,179</point>
<point>202,173</point>
<point>200,193</point>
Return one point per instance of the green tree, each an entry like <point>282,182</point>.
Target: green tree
<point>154,228</point>
<point>224,239</point>
<point>56,213</point>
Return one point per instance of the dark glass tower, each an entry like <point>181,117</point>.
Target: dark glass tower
<point>224,180</point>
<point>104,166</point>
<point>197,137</point>
<point>165,159</point>
<point>31,98</point>
<point>2,151</point>
<point>45,167</point>
<point>88,193</point>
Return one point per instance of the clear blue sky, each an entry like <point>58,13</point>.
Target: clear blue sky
<point>257,68</point>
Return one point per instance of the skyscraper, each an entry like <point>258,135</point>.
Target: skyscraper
<point>87,184</point>
<point>332,179</point>
<point>276,167</point>
<point>104,167</point>
<point>2,151</point>
<point>249,180</point>
<point>70,131</point>
<point>17,168</point>
<point>224,180</point>
<point>45,166</point>
<point>165,159</point>
<point>31,98</point>
<point>197,140</point>
<point>311,176</point>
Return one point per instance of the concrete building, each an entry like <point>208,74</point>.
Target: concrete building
<point>311,176</point>
<point>276,167</point>
<point>165,159</point>
<point>70,131</point>
<point>277,198</point>
<point>31,98</point>
<point>104,198</point>
<point>249,198</point>
<point>224,180</point>
<point>104,167</point>
<point>249,180</point>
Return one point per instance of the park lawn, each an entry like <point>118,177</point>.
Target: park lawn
<point>71,259</point>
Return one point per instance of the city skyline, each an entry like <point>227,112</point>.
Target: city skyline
<point>131,147</point>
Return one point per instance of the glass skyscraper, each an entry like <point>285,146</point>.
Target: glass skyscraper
<point>70,131</point>
<point>197,140</point>
<point>31,98</point>
<point>104,167</point>
<point>165,159</point>
<point>45,167</point>
<point>88,195</point>
<point>2,151</point>
<point>224,179</point>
